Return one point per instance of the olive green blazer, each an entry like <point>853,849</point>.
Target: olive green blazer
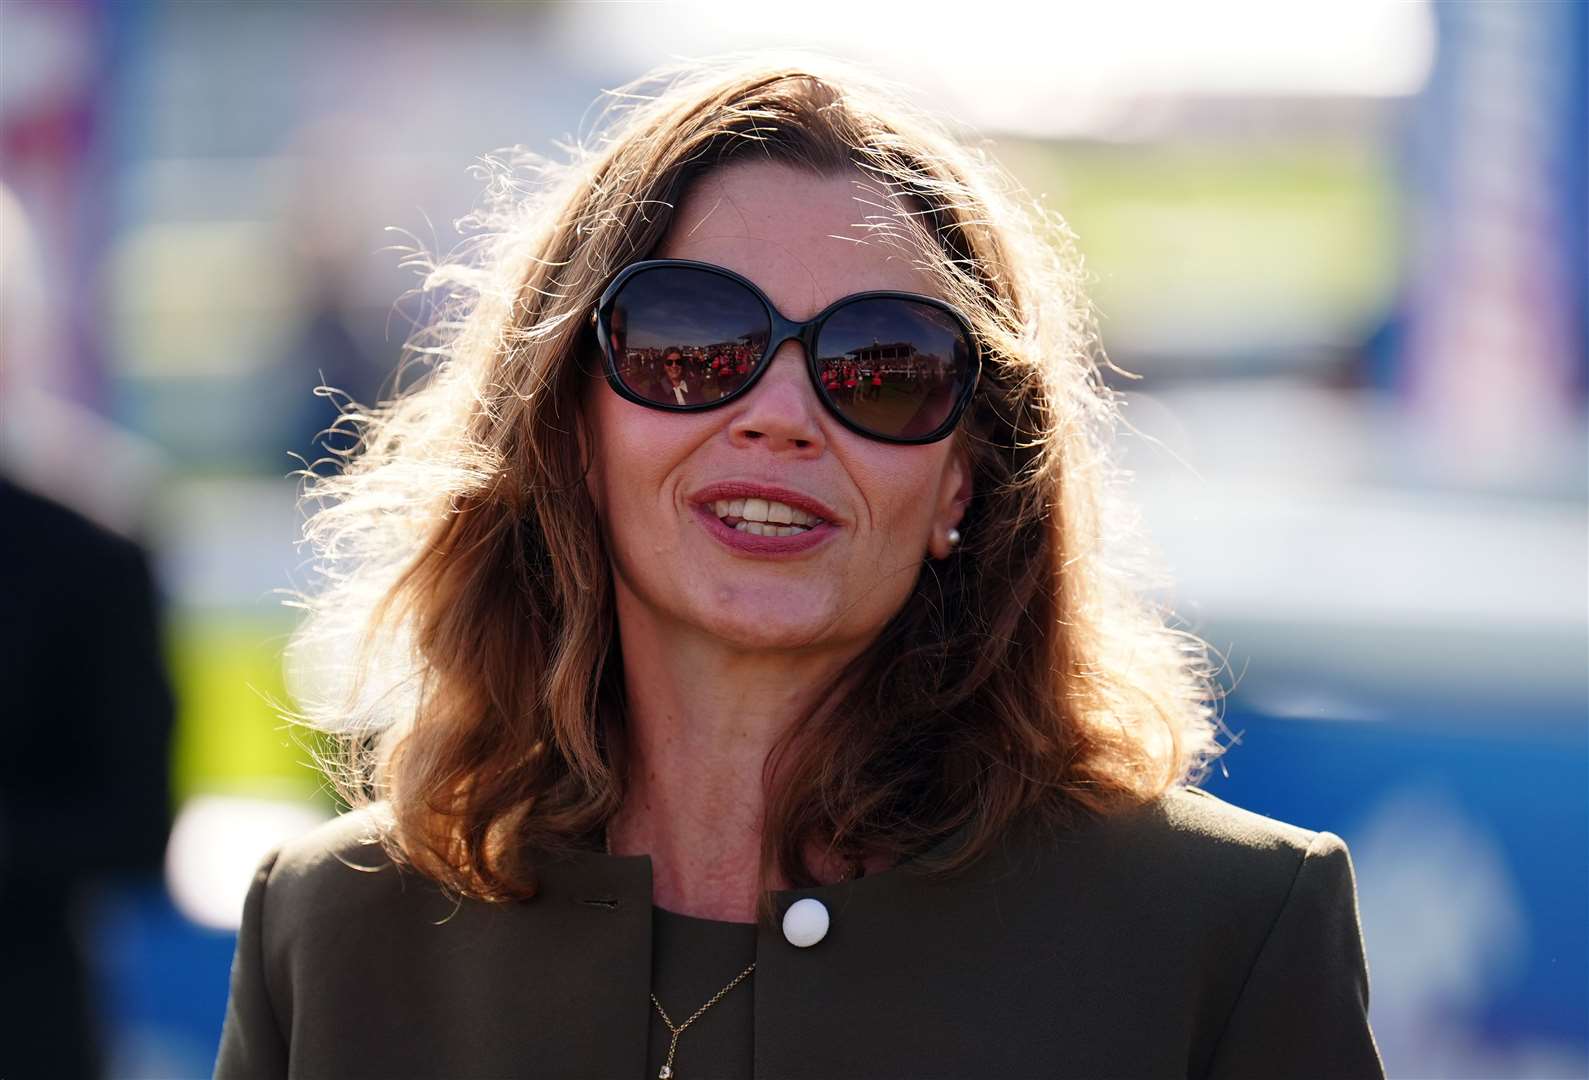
<point>1189,938</point>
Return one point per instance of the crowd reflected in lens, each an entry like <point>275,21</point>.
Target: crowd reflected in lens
<point>687,374</point>
<point>686,337</point>
<point>895,367</point>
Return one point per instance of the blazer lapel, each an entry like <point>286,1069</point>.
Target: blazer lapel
<point>599,909</point>
<point>905,982</point>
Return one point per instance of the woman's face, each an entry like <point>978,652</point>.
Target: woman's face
<point>887,507</point>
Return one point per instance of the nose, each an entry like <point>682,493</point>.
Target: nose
<point>782,412</point>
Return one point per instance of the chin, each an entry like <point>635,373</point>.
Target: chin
<point>778,630</point>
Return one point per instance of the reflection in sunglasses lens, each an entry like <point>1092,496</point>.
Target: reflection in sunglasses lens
<point>895,367</point>
<point>686,337</point>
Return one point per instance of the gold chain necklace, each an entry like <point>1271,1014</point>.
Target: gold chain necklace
<point>666,1072</point>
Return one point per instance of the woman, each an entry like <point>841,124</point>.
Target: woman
<point>767,736</point>
<point>676,390</point>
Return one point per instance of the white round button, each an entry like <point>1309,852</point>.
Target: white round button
<point>805,923</point>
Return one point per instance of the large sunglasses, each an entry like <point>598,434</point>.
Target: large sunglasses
<point>688,336</point>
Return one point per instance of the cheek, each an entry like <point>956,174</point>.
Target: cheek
<point>902,486</point>
<point>634,453</point>
<point>612,476</point>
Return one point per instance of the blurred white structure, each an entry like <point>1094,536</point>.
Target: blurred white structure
<point>217,843</point>
<point>1056,69</point>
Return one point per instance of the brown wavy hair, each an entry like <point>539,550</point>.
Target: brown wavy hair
<point>461,646</point>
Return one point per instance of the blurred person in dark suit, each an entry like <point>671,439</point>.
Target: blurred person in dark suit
<point>84,782</point>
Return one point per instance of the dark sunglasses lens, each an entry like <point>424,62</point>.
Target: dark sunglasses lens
<point>894,367</point>
<point>685,337</point>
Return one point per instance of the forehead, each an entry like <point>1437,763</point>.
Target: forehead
<point>806,240</point>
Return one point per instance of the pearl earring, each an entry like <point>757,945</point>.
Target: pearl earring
<point>953,537</point>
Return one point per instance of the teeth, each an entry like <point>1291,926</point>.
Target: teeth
<point>771,518</point>
<point>763,510</point>
<point>756,528</point>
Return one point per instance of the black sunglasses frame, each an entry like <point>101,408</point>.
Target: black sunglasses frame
<point>783,329</point>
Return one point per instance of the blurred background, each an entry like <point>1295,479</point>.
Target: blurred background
<point>1345,246</point>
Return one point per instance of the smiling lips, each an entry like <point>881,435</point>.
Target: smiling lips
<point>764,517</point>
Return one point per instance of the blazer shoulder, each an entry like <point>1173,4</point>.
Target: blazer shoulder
<point>1208,822</point>
<point>355,835</point>
<point>1193,845</point>
<point>1229,840</point>
<point>337,866</point>
<point>1229,905</point>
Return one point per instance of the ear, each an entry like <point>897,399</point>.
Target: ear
<point>954,495</point>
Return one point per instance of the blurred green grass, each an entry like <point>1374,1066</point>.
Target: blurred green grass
<point>1311,225</point>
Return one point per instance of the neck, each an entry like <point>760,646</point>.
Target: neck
<point>695,751</point>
